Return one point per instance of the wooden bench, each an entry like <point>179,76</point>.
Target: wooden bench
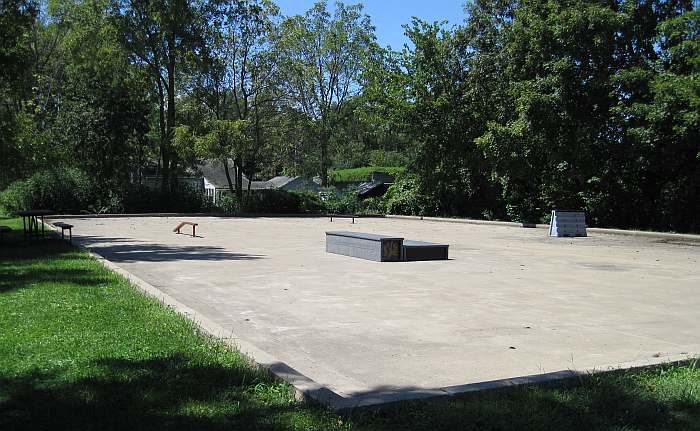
<point>352,216</point>
<point>63,227</point>
<point>4,230</point>
<point>183,224</point>
<point>380,248</point>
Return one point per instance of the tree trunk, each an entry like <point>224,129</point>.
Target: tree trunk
<point>324,158</point>
<point>171,120</point>
<point>164,156</point>
<point>228,176</point>
<point>239,178</point>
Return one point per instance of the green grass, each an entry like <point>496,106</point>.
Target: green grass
<point>82,349</point>
<point>361,174</point>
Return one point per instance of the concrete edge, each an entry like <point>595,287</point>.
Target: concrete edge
<point>305,389</point>
<point>217,215</point>
<point>605,231</point>
<point>469,221</point>
<point>556,378</point>
<point>308,390</point>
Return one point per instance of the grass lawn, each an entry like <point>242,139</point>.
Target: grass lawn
<point>361,174</point>
<point>81,349</point>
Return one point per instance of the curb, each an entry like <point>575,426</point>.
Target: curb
<point>605,231</point>
<point>307,390</point>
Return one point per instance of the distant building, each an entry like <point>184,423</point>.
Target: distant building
<point>216,183</point>
<point>381,181</point>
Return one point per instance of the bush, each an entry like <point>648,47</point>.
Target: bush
<point>228,204</point>
<point>406,197</point>
<point>64,190</point>
<point>281,202</point>
<point>345,202</point>
<point>309,202</point>
<point>143,200</point>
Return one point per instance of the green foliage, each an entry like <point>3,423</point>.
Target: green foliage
<point>342,202</point>
<point>181,199</point>
<point>228,204</point>
<point>406,197</point>
<point>281,202</point>
<point>60,190</point>
<point>321,59</point>
<point>536,105</point>
<point>309,202</point>
<point>362,174</point>
<point>387,158</point>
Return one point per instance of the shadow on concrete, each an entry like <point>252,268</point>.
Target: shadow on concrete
<point>129,250</point>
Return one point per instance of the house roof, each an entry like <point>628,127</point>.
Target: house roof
<point>213,171</point>
<point>280,181</point>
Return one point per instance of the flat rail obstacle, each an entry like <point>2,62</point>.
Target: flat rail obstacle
<point>383,248</point>
<point>183,224</point>
<point>351,216</point>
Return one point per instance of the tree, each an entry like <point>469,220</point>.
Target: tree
<point>239,79</point>
<point>165,36</point>
<point>105,99</point>
<point>221,140</point>
<point>17,18</point>
<point>322,57</point>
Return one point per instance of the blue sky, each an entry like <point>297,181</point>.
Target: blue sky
<point>388,15</point>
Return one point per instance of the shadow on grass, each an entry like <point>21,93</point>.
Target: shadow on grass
<point>171,393</point>
<point>609,401</point>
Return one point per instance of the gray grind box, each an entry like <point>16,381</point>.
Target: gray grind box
<point>380,248</point>
<point>420,250</point>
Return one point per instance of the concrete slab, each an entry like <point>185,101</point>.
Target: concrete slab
<point>511,304</point>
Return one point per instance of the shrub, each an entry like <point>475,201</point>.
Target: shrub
<point>143,200</point>
<point>63,190</point>
<point>345,202</point>
<point>309,202</point>
<point>228,204</point>
<point>281,202</point>
<point>406,197</point>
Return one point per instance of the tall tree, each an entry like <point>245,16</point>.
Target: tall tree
<point>105,99</point>
<point>164,35</point>
<point>322,56</point>
<point>239,79</point>
<point>17,18</point>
